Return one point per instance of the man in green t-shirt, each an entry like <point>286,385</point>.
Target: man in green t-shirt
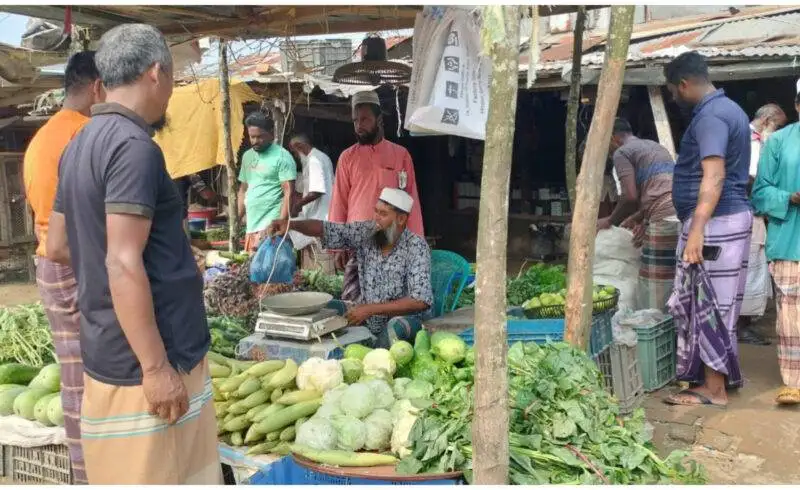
<point>266,180</point>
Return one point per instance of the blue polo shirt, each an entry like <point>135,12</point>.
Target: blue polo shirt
<point>719,128</point>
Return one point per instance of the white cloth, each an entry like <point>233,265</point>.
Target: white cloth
<point>758,288</point>
<point>755,152</point>
<point>317,177</point>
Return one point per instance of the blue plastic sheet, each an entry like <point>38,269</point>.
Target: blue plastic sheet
<point>272,253</point>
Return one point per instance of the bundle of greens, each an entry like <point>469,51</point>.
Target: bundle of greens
<point>226,332</point>
<point>537,279</point>
<point>564,428</point>
<point>318,281</point>
<point>25,335</point>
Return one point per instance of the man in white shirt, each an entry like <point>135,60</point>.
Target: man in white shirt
<point>317,187</point>
<point>758,288</point>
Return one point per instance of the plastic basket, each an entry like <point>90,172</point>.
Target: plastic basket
<point>286,472</point>
<point>38,465</point>
<point>558,311</point>
<point>626,377</point>
<point>546,330</point>
<point>657,354</point>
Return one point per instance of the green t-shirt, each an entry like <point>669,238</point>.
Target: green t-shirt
<point>263,173</point>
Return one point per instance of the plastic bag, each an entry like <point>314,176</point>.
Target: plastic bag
<point>272,253</point>
<point>616,263</point>
<point>626,321</point>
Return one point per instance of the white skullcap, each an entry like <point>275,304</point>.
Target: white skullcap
<point>397,198</point>
<point>366,97</point>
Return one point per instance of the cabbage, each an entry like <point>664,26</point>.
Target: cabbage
<point>404,416</point>
<point>320,375</point>
<point>317,433</point>
<point>382,395</point>
<point>357,401</point>
<point>400,408</point>
<point>402,352</point>
<point>448,347</point>
<point>380,364</point>
<point>352,369</point>
<point>352,433</point>
<point>379,430</point>
<point>418,389</point>
<point>326,411</point>
<point>400,387</point>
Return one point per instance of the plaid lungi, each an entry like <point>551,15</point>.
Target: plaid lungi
<point>59,291</point>
<point>657,269</point>
<point>124,445</point>
<point>351,290</point>
<point>786,275</point>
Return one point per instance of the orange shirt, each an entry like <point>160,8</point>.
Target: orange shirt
<point>362,173</point>
<point>40,167</point>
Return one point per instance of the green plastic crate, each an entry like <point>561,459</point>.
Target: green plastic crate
<point>657,352</point>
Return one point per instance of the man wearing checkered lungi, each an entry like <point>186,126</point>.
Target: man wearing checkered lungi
<point>776,194</point>
<point>56,282</point>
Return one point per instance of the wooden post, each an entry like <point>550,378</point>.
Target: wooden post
<point>279,117</point>
<point>230,163</point>
<point>573,104</point>
<point>590,179</point>
<point>500,38</point>
<point>660,117</point>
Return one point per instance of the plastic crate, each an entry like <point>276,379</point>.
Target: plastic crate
<point>657,354</point>
<point>286,472</point>
<point>626,377</point>
<point>38,465</point>
<point>551,330</point>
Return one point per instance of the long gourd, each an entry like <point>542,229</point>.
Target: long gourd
<point>336,457</point>
<point>288,415</point>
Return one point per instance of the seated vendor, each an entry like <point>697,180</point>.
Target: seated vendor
<point>394,265</point>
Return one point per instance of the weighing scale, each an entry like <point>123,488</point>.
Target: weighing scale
<point>298,316</point>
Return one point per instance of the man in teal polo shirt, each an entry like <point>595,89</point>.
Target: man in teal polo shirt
<point>266,180</point>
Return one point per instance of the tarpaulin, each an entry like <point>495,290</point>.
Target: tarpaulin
<point>192,140</point>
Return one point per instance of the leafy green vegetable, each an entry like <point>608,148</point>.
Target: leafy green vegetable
<point>537,279</point>
<point>316,280</point>
<point>226,332</point>
<point>564,428</point>
<point>25,335</point>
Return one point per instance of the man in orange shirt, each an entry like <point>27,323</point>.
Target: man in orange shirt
<point>56,282</point>
<point>363,171</point>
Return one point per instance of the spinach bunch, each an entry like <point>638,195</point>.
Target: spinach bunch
<point>564,428</point>
<point>537,279</point>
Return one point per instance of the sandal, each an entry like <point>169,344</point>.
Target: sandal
<point>747,336</point>
<point>675,399</point>
<point>788,396</point>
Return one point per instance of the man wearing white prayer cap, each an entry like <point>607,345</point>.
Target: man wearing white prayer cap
<point>394,264</point>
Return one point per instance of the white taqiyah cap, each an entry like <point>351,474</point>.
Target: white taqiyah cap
<point>366,97</point>
<point>397,198</point>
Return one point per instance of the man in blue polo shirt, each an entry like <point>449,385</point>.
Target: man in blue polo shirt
<point>710,196</point>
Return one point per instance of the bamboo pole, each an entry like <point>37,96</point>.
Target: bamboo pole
<point>573,104</point>
<point>590,179</point>
<point>230,163</point>
<point>500,39</point>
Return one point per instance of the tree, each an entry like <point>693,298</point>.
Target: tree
<point>230,163</point>
<point>573,103</point>
<point>500,39</point>
<point>590,179</point>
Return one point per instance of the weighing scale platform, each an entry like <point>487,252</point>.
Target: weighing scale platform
<point>259,346</point>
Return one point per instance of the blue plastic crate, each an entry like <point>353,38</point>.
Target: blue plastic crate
<point>286,472</point>
<point>546,330</point>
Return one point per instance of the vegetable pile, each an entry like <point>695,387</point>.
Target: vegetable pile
<point>32,393</point>
<point>226,332</point>
<point>318,281</point>
<point>537,279</point>
<point>565,428</point>
<point>25,335</point>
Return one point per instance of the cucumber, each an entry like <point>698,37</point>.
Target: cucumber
<point>236,424</point>
<point>274,436</point>
<point>275,395</point>
<point>229,417</point>
<point>248,387</point>
<point>264,368</point>
<point>288,415</point>
<point>285,376</point>
<point>217,358</point>
<point>252,435</point>
<point>232,384</point>
<point>298,396</point>
<point>282,449</point>
<point>262,448</point>
<point>287,434</point>
<point>255,399</point>
<point>238,408</point>
<point>221,408</point>
<point>218,371</point>
<point>268,411</point>
<point>16,373</point>
<point>218,396</point>
<point>336,457</point>
<point>237,439</point>
<point>253,411</point>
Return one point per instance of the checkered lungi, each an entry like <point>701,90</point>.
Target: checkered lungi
<point>59,291</point>
<point>786,275</point>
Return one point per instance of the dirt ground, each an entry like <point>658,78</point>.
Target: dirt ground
<point>751,442</point>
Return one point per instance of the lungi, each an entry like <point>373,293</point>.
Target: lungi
<point>351,290</point>
<point>251,241</point>
<point>726,277</point>
<point>314,257</point>
<point>123,444</point>
<point>59,291</point>
<point>657,270</point>
<point>758,288</point>
<point>786,275</point>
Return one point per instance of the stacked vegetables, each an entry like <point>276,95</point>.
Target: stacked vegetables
<point>318,281</point>
<point>226,332</point>
<point>31,393</point>
<point>25,335</point>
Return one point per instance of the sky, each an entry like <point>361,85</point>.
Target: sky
<point>11,28</point>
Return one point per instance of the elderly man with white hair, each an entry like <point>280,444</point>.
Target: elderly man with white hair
<point>394,264</point>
